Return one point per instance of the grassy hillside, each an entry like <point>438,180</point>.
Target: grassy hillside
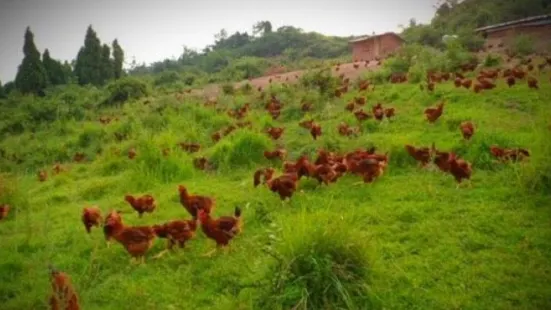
<point>410,240</point>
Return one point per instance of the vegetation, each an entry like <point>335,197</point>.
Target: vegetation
<point>401,242</point>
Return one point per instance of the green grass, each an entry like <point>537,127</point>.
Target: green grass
<point>410,240</point>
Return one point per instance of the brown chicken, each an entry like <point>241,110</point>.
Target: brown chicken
<point>378,112</point>
<point>266,173</point>
<point>361,115</point>
<point>506,154</point>
<point>422,154</point>
<point>278,153</point>
<point>325,174</point>
<point>275,132</point>
<point>359,100</point>
<point>307,124</point>
<point>532,82</point>
<point>285,185</point>
<point>390,113</point>
<point>432,114</point>
<point>467,83</point>
<point>511,81</point>
<point>202,163</point>
<point>42,175</point>
<point>190,147</point>
<point>315,131</point>
<point>467,130</point>
<point>222,229</point>
<point>132,153</point>
<point>137,240</point>
<point>57,169</point>
<point>63,296</point>
<point>216,136</point>
<point>108,225</point>
<point>192,202</point>
<point>459,168</point>
<point>176,232</point>
<point>458,82</point>
<point>350,106</point>
<point>91,217</point>
<point>143,204</point>
<point>441,159</point>
<point>4,211</point>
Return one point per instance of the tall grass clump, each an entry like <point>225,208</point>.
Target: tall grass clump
<point>536,174</point>
<point>319,263</point>
<point>242,149</point>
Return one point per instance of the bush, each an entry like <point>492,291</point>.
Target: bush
<point>167,78</point>
<point>240,150</point>
<point>320,263</point>
<point>228,89</point>
<point>124,89</point>
<point>523,45</point>
<point>491,60</point>
<point>321,80</point>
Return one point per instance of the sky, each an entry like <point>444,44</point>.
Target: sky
<point>155,30</point>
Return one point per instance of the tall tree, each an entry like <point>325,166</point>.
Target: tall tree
<point>107,70</point>
<point>88,66</point>
<point>54,69</point>
<point>31,75</point>
<point>2,92</point>
<point>262,27</point>
<point>118,59</point>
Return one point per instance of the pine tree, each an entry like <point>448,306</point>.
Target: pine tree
<point>88,67</point>
<point>2,93</point>
<point>31,76</point>
<point>118,56</point>
<point>107,70</point>
<point>54,70</point>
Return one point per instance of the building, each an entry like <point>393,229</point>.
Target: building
<point>378,46</point>
<point>500,36</point>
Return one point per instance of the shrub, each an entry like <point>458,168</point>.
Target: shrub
<point>321,80</point>
<point>319,264</point>
<point>491,60</point>
<point>124,89</point>
<point>167,78</point>
<point>228,89</point>
<point>242,149</point>
<point>523,45</point>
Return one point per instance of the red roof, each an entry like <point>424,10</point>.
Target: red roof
<point>367,38</point>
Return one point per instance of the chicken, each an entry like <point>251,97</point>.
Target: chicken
<point>361,115</point>
<point>285,185</point>
<point>166,152</point>
<point>176,232</point>
<point>325,174</point>
<point>42,175</point>
<point>275,132</point>
<point>459,168</point>
<point>441,160</point>
<point>63,296</point>
<point>467,130</point>
<point>216,136</point>
<point>278,153</point>
<point>306,106</point>
<point>511,81</point>
<point>345,130</point>
<point>532,82</point>
<point>359,100</point>
<point>369,169</point>
<point>267,173</point>
<point>389,113</point>
<point>315,131</point>
<point>132,153</point>
<point>506,154</point>
<point>110,221</point>
<point>190,147</point>
<point>307,124</point>
<point>193,202</point>
<point>4,211</point>
<point>137,240</point>
<point>458,82</point>
<point>467,83</point>
<point>143,204</point>
<point>350,106</point>
<point>222,229</point>
<point>422,155</point>
<point>202,163</point>
<point>57,169</point>
<point>433,114</point>
<point>378,112</point>
<point>91,217</point>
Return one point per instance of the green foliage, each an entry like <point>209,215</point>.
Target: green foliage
<point>321,80</point>
<point>94,64</point>
<point>3,93</point>
<point>241,150</point>
<point>57,74</point>
<point>492,60</point>
<point>107,65</point>
<point>167,78</point>
<point>522,45</point>
<point>319,264</point>
<point>118,59</point>
<point>31,75</point>
<point>228,88</point>
<point>124,89</point>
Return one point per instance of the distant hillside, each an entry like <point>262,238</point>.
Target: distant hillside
<point>245,55</point>
<point>462,17</point>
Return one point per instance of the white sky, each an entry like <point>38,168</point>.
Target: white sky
<point>154,30</point>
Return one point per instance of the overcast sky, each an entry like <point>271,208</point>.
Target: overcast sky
<point>154,30</point>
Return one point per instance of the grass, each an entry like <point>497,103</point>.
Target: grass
<point>410,240</point>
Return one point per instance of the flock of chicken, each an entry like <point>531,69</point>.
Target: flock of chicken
<point>327,168</point>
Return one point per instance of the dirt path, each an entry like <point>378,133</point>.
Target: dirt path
<point>348,69</point>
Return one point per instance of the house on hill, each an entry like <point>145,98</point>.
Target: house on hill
<point>377,46</point>
<point>501,36</point>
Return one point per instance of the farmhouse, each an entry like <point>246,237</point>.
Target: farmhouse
<point>501,36</point>
<point>372,47</point>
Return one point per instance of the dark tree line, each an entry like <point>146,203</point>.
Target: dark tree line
<point>95,64</point>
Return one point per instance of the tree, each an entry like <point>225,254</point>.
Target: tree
<point>118,59</point>
<point>88,67</point>
<point>31,76</point>
<point>262,28</point>
<point>54,70</point>
<point>107,64</point>
<point>2,92</point>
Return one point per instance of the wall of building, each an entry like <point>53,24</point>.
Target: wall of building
<point>541,36</point>
<point>376,47</point>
